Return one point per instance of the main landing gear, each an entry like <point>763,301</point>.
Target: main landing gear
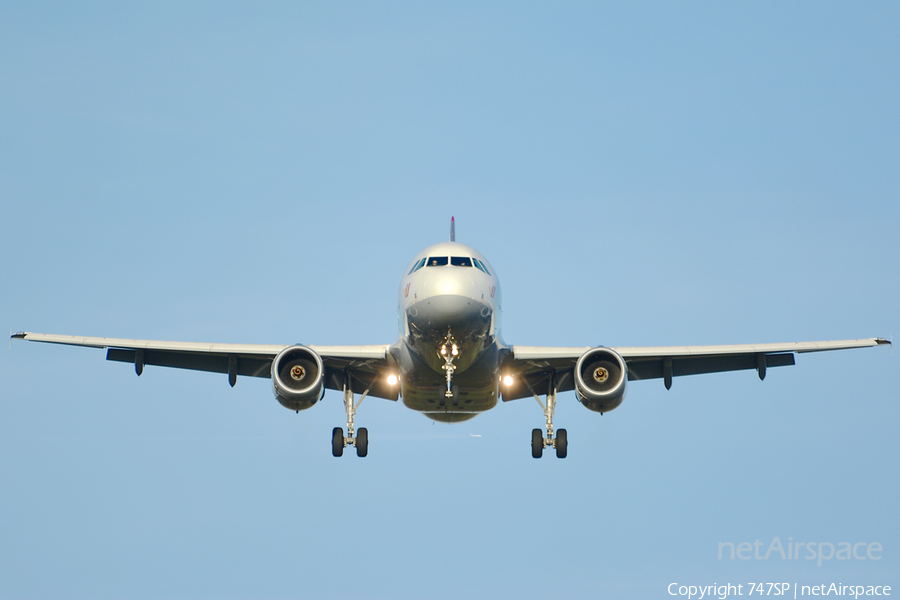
<point>361,437</point>
<point>538,441</point>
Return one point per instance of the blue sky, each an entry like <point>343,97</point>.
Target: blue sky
<point>641,174</point>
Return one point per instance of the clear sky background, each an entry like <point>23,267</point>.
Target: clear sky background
<point>649,174</point>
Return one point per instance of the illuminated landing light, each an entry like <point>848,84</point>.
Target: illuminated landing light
<point>392,379</point>
<point>508,381</point>
<point>454,351</point>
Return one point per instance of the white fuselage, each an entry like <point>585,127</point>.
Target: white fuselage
<point>449,295</point>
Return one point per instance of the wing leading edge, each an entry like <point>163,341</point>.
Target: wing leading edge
<point>537,365</point>
<point>362,365</point>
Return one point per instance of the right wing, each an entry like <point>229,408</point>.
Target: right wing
<point>365,366</point>
<point>535,366</point>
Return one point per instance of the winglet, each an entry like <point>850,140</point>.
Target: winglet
<point>452,229</point>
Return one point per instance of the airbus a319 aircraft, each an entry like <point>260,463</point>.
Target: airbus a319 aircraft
<point>450,362</point>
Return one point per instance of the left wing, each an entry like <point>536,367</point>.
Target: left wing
<point>364,365</point>
<point>537,365</point>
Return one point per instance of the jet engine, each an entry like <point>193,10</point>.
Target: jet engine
<point>600,378</point>
<point>298,376</point>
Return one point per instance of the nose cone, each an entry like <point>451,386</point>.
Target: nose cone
<point>447,306</point>
<point>440,312</point>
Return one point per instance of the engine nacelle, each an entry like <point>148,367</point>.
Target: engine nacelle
<point>298,376</point>
<point>600,378</point>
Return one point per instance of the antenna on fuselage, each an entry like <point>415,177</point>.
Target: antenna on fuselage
<point>452,229</point>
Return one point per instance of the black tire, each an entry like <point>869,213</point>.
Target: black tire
<point>562,443</point>
<point>337,441</point>
<point>537,443</point>
<point>362,442</point>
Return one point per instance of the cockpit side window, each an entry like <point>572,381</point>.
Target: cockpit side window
<point>460,261</point>
<point>437,261</point>
<point>481,266</point>
<point>417,266</point>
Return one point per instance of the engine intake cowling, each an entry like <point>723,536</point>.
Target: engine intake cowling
<point>600,378</point>
<point>298,377</point>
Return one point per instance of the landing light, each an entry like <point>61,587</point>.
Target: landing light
<point>392,379</point>
<point>508,381</point>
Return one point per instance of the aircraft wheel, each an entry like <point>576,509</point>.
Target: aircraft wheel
<point>362,442</point>
<point>562,443</point>
<point>337,441</point>
<point>537,443</point>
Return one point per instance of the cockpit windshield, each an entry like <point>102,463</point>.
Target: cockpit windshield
<point>443,261</point>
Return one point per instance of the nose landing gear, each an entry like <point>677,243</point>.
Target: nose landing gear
<point>449,351</point>
<point>538,442</point>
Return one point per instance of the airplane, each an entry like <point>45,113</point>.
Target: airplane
<point>450,362</point>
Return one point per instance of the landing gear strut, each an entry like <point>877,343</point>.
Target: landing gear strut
<point>361,438</point>
<point>449,351</point>
<point>538,441</point>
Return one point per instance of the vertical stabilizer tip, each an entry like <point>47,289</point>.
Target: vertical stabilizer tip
<point>452,229</point>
